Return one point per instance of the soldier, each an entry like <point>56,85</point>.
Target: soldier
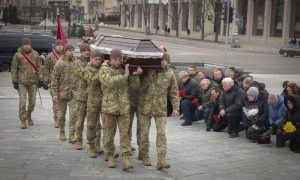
<point>25,73</point>
<point>115,82</point>
<point>80,92</point>
<point>61,87</point>
<point>94,101</point>
<point>50,61</point>
<point>154,89</point>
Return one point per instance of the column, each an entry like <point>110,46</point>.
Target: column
<point>267,18</point>
<point>170,11</point>
<point>180,13</point>
<point>250,12</point>
<point>191,15</point>
<point>136,15</point>
<point>123,15</point>
<point>152,16</point>
<point>161,22</point>
<point>286,21</point>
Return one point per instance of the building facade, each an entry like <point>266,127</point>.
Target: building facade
<point>269,23</point>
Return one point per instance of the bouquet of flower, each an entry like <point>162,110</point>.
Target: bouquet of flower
<point>251,113</point>
<point>289,127</point>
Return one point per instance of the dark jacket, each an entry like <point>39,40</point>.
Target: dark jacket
<point>232,101</point>
<point>293,115</point>
<point>205,97</point>
<point>276,114</point>
<point>263,112</point>
<point>190,88</point>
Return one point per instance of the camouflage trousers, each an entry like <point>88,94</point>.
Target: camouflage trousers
<point>110,124</point>
<point>94,127</point>
<point>54,109</point>
<point>62,106</point>
<point>81,114</point>
<point>72,115</point>
<point>144,122</point>
<point>133,111</point>
<point>23,91</point>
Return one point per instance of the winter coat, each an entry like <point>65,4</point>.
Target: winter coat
<point>293,115</point>
<point>191,89</point>
<point>80,94</point>
<point>276,114</point>
<point>94,85</point>
<point>49,66</point>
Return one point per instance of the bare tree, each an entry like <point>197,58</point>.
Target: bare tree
<point>216,16</point>
<point>176,14</point>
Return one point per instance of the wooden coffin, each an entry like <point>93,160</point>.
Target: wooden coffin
<point>136,52</point>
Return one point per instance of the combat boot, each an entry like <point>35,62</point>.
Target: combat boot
<point>140,156</point>
<point>62,134</point>
<point>106,156</point>
<point>161,163</point>
<point>111,161</point>
<point>98,149</point>
<point>92,152</point>
<point>132,148</point>
<point>126,163</point>
<point>29,120</point>
<point>23,125</point>
<point>72,138</point>
<point>146,161</point>
<point>78,145</point>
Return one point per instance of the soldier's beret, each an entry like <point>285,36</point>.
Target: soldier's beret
<point>26,41</point>
<point>115,53</point>
<point>97,53</point>
<point>84,47</point>
<point>69,47</point>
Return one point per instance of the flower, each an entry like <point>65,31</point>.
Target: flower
<point>289,127</point>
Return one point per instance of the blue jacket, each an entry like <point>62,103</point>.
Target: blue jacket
<point>276,115</point>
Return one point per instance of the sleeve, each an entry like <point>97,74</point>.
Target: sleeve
<point>79,69</point>
<point>88,75</point>
<point>281,115</point>
<point>55,80</point>
<point>222,102</point>
<point>263,118</point>
<point>47,68</point>
<point>109,80</point>
<point>194,92</point>
<point>134,82</point>
<point>173,92</point>
<point>39,66</point>
<point>14,68</point>
<point>236,106</point>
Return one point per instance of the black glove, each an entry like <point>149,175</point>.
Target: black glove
<point>16,85</point>
<point>45,86</point>
<point>40,84</point>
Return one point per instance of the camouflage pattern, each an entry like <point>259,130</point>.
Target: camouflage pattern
<point>23,74</point>
<point>48,69</point>
<point>61,86</point>
<point>115,106</point>
<point>94,127</point>
<point>153,93</point>
<point>72,115</point>
<point>133,98</point>
<point>79,66</point>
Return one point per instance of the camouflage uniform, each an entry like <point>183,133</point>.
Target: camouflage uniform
<point>80,96</point>
<point>115,106</point>
<point>93,104</point>
<point>22,73</point>
<point>61,86</point>
<point>153,93</point>
<point>47,75</point>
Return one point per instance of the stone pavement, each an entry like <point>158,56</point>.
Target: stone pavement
<point>37,154</point>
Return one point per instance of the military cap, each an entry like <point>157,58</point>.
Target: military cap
<point>84,47</point>
<point>166,57</point>
<point>115,53</point>
<point>69,47</point>
<point>26,41</point>
<point>59,42</point>
<point>97,53</point>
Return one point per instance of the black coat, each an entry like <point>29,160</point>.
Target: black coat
<point>191,89</point>
<point>293,115</point>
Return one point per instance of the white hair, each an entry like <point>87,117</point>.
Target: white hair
<point>205,81</point>
<point>228,81</point>
<point>182,74</point>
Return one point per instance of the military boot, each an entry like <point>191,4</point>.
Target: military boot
<point>146,161</point>
<point>23,125</point>
<point>161,163</point>
<point>62,134</point>
<point>78,145</point>
<point>106,156</point>
<point>92,151</point>
<point>72,138</point>
<point>132,148</point>
<point>29,120</point>
<point>111,161</point>
<point>98,149</point>
<point>126,164</point>
<point>140,156</point>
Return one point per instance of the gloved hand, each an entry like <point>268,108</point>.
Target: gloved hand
<point>40,84</point>
<point>16,85</point>
<point>45,86</point>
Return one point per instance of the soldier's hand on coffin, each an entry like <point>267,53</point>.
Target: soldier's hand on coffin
<point>151,72</point>
<point>175,113</point>
<point>126,69</point>
<point>138,71</point>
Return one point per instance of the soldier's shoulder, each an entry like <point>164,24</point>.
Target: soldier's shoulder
<point>35,52</point>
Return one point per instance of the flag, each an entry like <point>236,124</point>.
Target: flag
<point>60,33</point>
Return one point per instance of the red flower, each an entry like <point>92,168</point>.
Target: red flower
<point>181,93</point>
<point>195,100</point>
<point>216,118</point>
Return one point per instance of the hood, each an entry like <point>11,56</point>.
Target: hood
<point>295,99</point>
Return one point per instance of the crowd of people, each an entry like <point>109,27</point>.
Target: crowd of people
<point>232,100</point>
<point>108,95</point>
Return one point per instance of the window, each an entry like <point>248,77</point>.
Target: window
<point>258,19</point>
<point>277,18</point>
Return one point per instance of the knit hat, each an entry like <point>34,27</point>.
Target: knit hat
<point>97,53</point>
<point>26,41</point>
<point>84,47</point>
<point>248,80</point>
<point>166,56</point>
<point>252,91</point>
<point>115,53</point>
<point>69,47</point>
<point>59,42</point>
<point>273,99</point>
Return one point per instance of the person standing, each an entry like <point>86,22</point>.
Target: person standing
<point>50,62</point>
<point>154,89</point>
<point>115,82</point>
<point>61,87</point>
<point>26,76</point>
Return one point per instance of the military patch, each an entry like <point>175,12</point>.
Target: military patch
<point>103,75</point>
<point>78,69</point>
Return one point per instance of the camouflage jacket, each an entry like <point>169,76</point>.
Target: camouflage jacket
<point>80,64</point>
<point>153,93</point>
<point>21,71</point>
<point>63,78</point>
<point>94,85</point>
<point>49,66</point>
<point>115,86</point>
